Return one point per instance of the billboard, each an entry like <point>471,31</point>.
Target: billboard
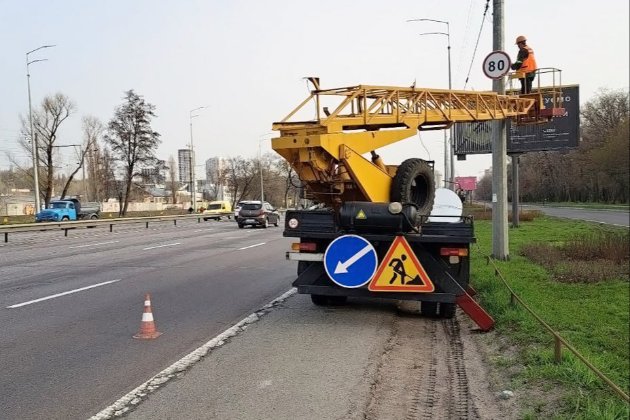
<point>559,134</point>
<point>466,183</point>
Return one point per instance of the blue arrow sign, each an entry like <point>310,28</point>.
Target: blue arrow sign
<point>350,261</point>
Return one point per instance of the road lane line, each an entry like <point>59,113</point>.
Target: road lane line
<point>96,244</point>
<point>161,246</point>
<point>137,395</point>
<point>62,294</point>
<point>251,246</point>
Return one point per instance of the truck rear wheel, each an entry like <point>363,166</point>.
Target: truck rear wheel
<point>323,300</point>
<point>319,300</point>
<point>429,308</point>
<point>414,183</point>
<point>447,310</point>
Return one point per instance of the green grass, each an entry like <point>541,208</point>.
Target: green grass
<point>593,317</point>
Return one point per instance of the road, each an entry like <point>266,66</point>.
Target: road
<point>609,217</point>
<point>67,350</point>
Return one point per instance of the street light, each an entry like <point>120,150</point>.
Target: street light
<point>192,160</point>
<point>448,174</point>
<point>30,118</point>
<point>260,140</point>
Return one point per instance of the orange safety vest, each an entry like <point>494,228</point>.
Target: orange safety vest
<point>529,64</point>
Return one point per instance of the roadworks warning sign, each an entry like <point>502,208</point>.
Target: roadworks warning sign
<point>400,271</point>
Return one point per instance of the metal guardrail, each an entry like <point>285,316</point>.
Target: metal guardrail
<point>68,225</point>
<point>559,341</point>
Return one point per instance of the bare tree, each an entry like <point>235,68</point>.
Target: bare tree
<point>240,176</point>
<point>290,181</point>
<point>598,170</point>
<point>92,130</point>
<point>46,122</point>
<point>131,138</point>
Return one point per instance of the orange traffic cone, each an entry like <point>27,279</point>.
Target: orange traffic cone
<point>147,326</point>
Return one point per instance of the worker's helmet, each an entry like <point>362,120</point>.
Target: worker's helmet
<point>520,38</point>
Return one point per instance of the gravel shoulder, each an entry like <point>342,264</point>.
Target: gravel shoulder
<point>364,360</point>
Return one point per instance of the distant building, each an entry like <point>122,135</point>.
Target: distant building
<point>185,166</point>
<point>216,185</point>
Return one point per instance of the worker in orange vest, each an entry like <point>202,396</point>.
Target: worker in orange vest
<point>525,64</point>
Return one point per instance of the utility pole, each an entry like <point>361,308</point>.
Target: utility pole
<point>30,119</point>
<point>500,245</point>
<point>193,181</point>
<point>514,159</point>
<point>449,170</point>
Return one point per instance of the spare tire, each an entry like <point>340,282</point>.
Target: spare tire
<point>414,183</point>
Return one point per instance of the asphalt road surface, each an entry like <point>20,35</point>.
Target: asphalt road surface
<point>69,306</point>
<point>609,217</point>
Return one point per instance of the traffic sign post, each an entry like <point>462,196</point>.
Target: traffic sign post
<point>496,64</point>
<point>350,261</point>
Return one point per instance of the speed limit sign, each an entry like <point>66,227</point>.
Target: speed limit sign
<point>496,64</point>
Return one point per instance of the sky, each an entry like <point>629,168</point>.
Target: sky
<point>245,61</point>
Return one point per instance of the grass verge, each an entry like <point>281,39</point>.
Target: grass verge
<point>592,316</point>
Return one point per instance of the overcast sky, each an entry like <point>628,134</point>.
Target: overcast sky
<point>245,60</point>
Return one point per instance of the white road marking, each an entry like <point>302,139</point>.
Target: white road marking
<point>62,294</point>
<point>161,246</point>
<point>134,397</point>
<point>203,230</point>
<point>97,244</point>
<point>251,246</point>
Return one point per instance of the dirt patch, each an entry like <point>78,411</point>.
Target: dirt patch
<point>437,368</point>
<point>565,268</point>
<point>496,361</point>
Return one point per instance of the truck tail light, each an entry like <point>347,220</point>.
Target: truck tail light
<point>454,252</point>
<point>304,246</point>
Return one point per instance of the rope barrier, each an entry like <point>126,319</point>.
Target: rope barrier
<point>559,341</point>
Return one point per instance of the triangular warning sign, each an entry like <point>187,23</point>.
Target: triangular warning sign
<point>361,215</point>
<point>400,271</point>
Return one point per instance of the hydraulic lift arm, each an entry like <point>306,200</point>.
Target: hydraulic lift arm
<point>326,152</point>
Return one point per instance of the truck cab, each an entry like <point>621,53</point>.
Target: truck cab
<point>58,210</point>
<point>68,209</point>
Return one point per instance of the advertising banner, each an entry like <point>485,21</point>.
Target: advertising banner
<point>559,134</point>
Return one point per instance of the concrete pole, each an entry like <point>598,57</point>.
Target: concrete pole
<point>515,187</point>
<point>33,141</point>
<point>262,193</point>
<point>450,130</point>
<point>193,187</point>
<point>500,241</point>
<point>30,119</point>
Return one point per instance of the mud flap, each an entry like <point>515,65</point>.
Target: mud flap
<point>475,312</point>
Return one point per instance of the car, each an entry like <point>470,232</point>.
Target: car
<point>218,209</point>
<point>237,208</point>
<point>257,213</point>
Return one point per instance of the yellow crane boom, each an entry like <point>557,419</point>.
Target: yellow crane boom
<point>326,152</point>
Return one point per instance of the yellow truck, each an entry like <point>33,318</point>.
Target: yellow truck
<point>218,209</point>
<point>374,237</point>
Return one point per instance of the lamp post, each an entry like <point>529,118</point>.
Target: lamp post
<point>30,119</point>
<point>193,189</point>
<point>260,140</point>
<point>449,170</point>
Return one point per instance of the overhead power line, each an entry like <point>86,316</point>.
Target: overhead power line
<point>483,20</point>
